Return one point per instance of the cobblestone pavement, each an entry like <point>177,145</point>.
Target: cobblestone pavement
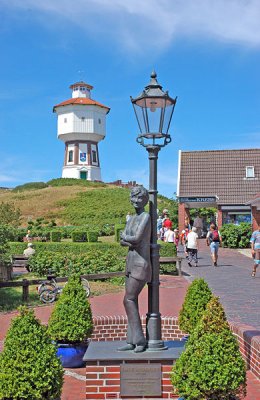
<point>231,281</point>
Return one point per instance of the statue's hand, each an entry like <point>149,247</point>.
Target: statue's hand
<point>122,235</point>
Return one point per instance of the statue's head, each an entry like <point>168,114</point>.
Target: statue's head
<point>139,196</point>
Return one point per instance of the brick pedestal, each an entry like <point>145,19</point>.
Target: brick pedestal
<point>104,362</point>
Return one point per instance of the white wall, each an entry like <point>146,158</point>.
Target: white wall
<point>94,173</point>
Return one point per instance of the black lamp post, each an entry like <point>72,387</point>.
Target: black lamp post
<point>153,110</point>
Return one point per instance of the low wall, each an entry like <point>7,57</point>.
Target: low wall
<point>115,327</point>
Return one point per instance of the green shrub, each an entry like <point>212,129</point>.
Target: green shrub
<point>197,297</point>
<point>45,261</point>
<point>211,367</point>
<point>55,236</point>
<point>30,186</point>
<point>167,249</point>
<point>69,247</point>
<point>71,318</point>
<point>118,228</point>
<point>74,182</point>
<point>79,236</point>
<point>92,236</point>
<point>29,368</point>
<point>236,236</point>
<point>95,260</point>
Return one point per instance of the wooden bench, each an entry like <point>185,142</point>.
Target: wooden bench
<point>172,260</point>
<point>20,260</point>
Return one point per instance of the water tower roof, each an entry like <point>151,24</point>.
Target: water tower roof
<point>81,83</point>
<point>83,101</point>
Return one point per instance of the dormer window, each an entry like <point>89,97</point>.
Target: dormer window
<point>250,172</point>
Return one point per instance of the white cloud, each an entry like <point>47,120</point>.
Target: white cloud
<point>154,23</point>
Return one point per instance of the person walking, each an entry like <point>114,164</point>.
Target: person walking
<point>169,236</point>
<point>159,226</point>
<point>255,248</point>
<point>192,247</point>
<point>214,240</point>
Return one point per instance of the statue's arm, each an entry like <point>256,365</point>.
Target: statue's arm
<point>140,230</point>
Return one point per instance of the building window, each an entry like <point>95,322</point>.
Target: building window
<point>94,156</point>
<point>99,120</point>
<point>250,172</point>
<point>70,159</point>
<point>82,119</point>
<point>65,120</point>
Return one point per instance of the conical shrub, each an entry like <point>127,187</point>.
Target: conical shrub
<point>71,319</point>
<point>211,367</point>
<point>29,367</point>
<point>197,297</point>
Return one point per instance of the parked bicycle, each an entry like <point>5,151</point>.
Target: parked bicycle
<point>49,289</point>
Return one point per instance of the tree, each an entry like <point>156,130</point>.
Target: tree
<point>9,214</point>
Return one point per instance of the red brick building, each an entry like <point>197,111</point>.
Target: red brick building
<point>226,179</point>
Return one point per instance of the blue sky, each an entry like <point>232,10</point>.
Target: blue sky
<point>205,52</point>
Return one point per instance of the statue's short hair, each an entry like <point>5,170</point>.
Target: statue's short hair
<point>142,191</point>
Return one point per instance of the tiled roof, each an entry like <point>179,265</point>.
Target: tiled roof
<point>80,101</point>
<point>81,83</point>
<point>220,173</point>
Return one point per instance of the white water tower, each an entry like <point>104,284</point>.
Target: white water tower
<point>81,126</point>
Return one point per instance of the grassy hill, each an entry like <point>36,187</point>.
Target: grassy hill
<point>75,202</point>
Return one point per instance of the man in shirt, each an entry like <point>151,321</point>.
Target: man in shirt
<point>255,247</point>
<point>192,247</point>
<point>29,251</point>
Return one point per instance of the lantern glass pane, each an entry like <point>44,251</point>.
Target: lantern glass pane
<point>140,113</point>
<point>154,118</point>
<point>167,118</point>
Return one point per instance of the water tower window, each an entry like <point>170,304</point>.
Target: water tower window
<point>250,172</point>
<point>70,159</point>
<point>94,156</point>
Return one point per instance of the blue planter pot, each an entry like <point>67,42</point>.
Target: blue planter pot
<point>71,355</point>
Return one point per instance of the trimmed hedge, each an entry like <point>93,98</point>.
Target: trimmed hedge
<point>79,236</point>
<point>211,366</point>
<point>29,367</point>
<point>92,236</point>
<point>55,236</point>
<point>84,258</point>
<point>71,319</point>
<point>197,297</point>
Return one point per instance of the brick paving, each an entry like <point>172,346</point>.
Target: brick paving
<point>231,281</point>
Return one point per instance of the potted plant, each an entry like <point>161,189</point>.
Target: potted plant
<point>29,367</point>
<point>197,297</point>
<point>211,366</point>
<point>71,324</point>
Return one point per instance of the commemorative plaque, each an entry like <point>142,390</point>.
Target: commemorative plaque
<point>140,379</point>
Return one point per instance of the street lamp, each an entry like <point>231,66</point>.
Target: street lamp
<point>153,109</point>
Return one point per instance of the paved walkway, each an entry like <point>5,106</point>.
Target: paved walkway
<point>231,281</point>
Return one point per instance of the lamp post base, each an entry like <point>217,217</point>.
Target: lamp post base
<point>153,332</point>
